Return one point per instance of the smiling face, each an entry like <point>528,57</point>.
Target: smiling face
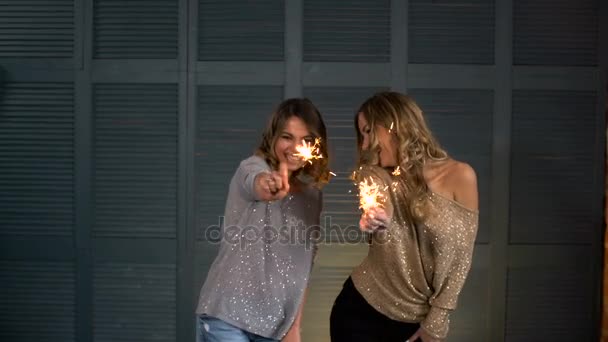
<point>293,134</point>
<point>388,146</point>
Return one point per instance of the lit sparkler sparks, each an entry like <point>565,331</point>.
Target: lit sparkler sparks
<point>397,171</point>
<point>370,194</point>
<point>308,152</point>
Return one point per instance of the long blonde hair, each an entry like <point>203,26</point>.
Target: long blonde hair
<point>404,119</point>
<point>303,108</point>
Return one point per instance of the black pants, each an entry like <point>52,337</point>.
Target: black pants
<point>353,319</point>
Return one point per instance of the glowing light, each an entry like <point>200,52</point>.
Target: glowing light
<point>370,194</point>
<point>309,152</point>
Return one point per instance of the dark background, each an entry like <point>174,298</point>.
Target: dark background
<point>121,123</point>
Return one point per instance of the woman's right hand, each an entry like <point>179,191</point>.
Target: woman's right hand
<point>272,186</point>
<point>374,219</point>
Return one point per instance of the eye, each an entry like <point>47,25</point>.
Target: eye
<point>309,140</point>
<point>285,136</point>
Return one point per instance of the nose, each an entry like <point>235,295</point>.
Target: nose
<point>365,142</point>
<point>295,143</point>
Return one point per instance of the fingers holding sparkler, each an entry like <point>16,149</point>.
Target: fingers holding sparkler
<point>371,194</point>
<point>374,219</point>
<point>371,201</point>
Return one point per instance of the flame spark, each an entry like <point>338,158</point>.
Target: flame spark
<point>308,152</point>
<point>370,194</point>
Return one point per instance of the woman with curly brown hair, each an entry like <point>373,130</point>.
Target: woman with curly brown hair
<point>256,286</point>
<point>423,232</point>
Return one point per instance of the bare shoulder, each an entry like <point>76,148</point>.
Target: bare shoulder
<point>461,179</point>
<point>461,174</point>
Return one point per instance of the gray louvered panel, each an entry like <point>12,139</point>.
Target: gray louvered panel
<point>135,159</point>
<point>469,320</point>
<point>241,30</point>
<point>37,159</point>
<point>555,32</point>
<point>347,31</point>
<point>451,32</point>
<point>549,304</point>
<point>143,29</point>
<point>338,106</point>
<point>553,141</point>
<point>462,122</point>
<point>37,29</point>
<point>37,301</point>
<point>134,302</point>
<point>230,124</point>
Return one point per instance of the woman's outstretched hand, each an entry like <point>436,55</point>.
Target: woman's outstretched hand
<point>272,186</point>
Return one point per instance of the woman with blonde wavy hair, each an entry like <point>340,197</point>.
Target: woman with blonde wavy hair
<point>256,286</point>
<point>422,229</point>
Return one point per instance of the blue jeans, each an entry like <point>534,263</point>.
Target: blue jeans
<point>211,329</point>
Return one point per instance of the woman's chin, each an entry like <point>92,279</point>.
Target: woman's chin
<point>292,167</point>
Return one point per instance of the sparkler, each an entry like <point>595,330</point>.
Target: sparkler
<point>370,194</point>
<point>309,152</point>
<point>397,171</point>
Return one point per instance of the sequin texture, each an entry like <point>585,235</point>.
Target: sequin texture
<point>258,279</point>
<point>414,273</point>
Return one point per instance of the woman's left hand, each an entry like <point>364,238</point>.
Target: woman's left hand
<point>423,336</point>
<point>374,219</point>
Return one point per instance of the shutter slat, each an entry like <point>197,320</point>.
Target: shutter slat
<point>37,158</point>
<point>135,175</point>
<point>41,29</point>
<point>135,29</point>
<point>37,291</point>
<point>549,303</point>
<point>241,30</point>
<point>345,31</point>
<point>552,33</point>
<point>134,302</point>
<point>553,141</point>
<point>451,33</point>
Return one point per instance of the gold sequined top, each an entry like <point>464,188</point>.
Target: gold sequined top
<point>414,273</point>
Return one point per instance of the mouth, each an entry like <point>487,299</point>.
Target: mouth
<point>292,158</point>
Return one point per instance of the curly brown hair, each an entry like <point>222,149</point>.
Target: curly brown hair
<point>404,119</point>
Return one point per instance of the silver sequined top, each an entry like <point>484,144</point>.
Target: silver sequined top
<point>414,273</point>
<point>258,279</point>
